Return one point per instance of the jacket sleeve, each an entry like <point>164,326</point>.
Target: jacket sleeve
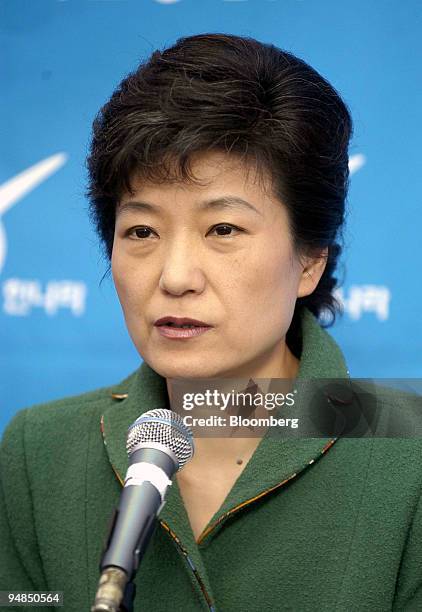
<point>409,584</point>
<point>20,562</point>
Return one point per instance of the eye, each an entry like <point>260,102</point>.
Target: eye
<point>225,229</point>
<point>142,232</point>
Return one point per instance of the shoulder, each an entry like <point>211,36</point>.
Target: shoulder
<point>396,411</point>
<point>57,423</point>
<point>397,395</point>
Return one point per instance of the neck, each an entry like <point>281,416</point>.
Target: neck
<point>230,450</point>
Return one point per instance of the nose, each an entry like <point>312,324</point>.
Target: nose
<point>181,272</point>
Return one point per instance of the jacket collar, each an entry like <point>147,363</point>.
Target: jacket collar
<point>274,462</point>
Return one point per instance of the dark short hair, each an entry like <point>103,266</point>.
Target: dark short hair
<point>220,92</point>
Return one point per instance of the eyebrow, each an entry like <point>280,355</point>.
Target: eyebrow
<point>222,203</point>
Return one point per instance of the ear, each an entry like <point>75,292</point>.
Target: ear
<point>313,269</point>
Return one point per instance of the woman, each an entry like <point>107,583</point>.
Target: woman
<point>218,177</point>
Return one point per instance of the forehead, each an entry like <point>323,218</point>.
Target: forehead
<point>213,174</point>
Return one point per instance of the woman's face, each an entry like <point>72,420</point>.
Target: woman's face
<point>181,251</point>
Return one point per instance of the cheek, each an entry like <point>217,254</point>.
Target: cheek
<point>120,279</point>
<point>241,288</point>
<point>129,285</point>
<point>271,278</point>
<point>266,288</point>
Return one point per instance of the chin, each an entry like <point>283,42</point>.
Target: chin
<point>178,369</point>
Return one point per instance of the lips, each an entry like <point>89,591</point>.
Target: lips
<point>179,322</point>
<point>181,328</point>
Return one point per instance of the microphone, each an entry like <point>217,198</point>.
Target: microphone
<point>158,444</point>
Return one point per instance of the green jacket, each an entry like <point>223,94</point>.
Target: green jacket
<point>311,525</point>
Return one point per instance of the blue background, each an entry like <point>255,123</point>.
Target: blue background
<point>61,60</point>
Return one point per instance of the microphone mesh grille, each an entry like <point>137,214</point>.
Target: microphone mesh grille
<point>165,427</point>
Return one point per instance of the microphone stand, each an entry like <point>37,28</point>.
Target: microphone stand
<point>114,587</point>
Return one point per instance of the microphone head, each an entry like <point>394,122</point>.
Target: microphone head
<point>161,428</point>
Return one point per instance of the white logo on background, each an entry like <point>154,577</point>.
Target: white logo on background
<point>17,187</point>
<point>366,298</point>
<point>22,295</point>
